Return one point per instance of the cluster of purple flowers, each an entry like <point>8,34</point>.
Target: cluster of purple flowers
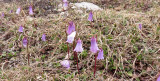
<point>30,10</point>
<point>71,32</point>
<point>21,28</point>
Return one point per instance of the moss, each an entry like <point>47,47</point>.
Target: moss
<point>84,54</point>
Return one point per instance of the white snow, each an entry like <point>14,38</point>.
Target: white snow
<point>86,5</point>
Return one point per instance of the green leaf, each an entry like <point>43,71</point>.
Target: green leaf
<point>37,59</point>
<point>137,79</point>
<point>67,75</point>
<point>63,47</point>
<point>4,55</point>
<point>10,55</point>
<point>84,54</point>
<point>43,57</point>
<point>130,73</point>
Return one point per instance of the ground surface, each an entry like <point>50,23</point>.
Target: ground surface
<point>130,53</point>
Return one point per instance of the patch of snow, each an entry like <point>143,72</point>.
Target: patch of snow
<point>86,5</point>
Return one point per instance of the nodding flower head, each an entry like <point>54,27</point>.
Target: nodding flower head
<point>43,37</point>
<point>25,42</point>
<point>18,11</point>
<point>100,54</point>
<point>140,26</point>
<point>30,10</point>
<point>2,15</point>
<point>65,63</point>
<point>90,17</point>
<point>78,47</point>
<point>20,29</point>
<point>65,5</point>
<point>94,47</point>
<point>70,38</point>
<point>65,1</point>
<point>71,27</point>
<point>10,11</point>
<point>158,79</point>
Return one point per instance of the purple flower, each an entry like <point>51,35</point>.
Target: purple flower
<point>25,42</point>
<point>90,17</point>
<point>20,29</point>
<point>30,10</point>
<point>18,11</point>
<point>65,1</point>
<point>65,4</point>
<point>158,79</point>
<point>100,54</point>
<point>94,47</point>
<point>78,47</point>
<point>10,11</point>
<point>43,37</point>
<point>70,38</point>
<point>140,26</point>
<point>65,63</point>
<point>2,15</point>
<point>71,28</point>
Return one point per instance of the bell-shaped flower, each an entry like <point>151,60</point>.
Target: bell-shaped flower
<point>90,17</point>
<point>65,0</point>
<point>20,29</point>
<point>70,38</point>
<point>65,5</point>
<point>18,11</point>
<point>25,42</point>
<point>78,47</point>
<point>100,54</point>
<point>30,10</point>
<point>10,11</point>
<point>158,79</point>
<point>2,15</point>
<point>94,47</point>
<point>65,63</point>
<point>43,37</point>
<point>71,27</point>
<point>140,26</point>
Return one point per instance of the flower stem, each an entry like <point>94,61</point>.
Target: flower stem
<point>74,51</point>
<point>73,45</point>
<point>28,54</point>
<point>68,49</point>
<point>77,61</point>
<point>91,24</point>
<point>95,64</point>
<point>67,42</point>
